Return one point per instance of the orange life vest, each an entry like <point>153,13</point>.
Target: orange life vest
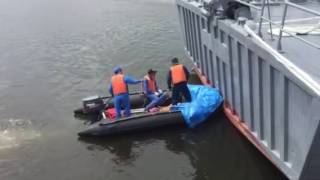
<point>151,84</point>
<point>118,84</point>
<point>177,74</point>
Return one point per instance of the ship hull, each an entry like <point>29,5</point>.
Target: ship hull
<point>273,104</point>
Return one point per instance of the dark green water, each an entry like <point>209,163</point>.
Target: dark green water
<point>54,52</point>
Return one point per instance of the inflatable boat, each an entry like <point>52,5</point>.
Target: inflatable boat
<point>205,101</point>
<point>139,119</point>
<point>136,122</point>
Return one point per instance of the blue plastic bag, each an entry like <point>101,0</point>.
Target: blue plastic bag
<point>205,100</point>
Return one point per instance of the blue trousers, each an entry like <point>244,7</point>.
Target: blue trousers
<point>153,99</point>
<point>178,89</point>
<point>122,99</point>
<point>158,102</point>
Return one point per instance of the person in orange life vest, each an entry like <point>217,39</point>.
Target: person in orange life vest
<point>118,88</point>
<point>150,88</point>
<point>178,77</point>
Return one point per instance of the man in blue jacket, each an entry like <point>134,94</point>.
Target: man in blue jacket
<point>118,88</point>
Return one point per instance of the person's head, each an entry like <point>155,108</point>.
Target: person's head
<point>117,70</point>
<point>174,61</point>
<point>152,73</point>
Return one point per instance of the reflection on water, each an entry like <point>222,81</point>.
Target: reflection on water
<point>149,155</point>
<point>215,151</point>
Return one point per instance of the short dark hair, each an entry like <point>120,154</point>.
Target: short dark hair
<point>151,71</point>
<point>175,60</point>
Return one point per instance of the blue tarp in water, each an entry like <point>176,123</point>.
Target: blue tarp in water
<point>205,100</point>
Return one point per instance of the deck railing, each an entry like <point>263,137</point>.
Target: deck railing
<point>286,3</point>
<point>266,4</point>
<point>261,5</point>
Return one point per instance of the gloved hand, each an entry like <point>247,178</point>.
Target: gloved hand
<point>156,93</point>
<point>160,91</point>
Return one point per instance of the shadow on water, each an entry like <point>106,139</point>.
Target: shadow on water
<point>88,119</point>
<point>216,150</point>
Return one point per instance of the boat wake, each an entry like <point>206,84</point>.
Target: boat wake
<point>14,132</point>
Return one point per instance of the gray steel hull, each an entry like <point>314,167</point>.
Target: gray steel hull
<point>273,103</point>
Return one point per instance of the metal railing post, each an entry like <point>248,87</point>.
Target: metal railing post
<point>279,47</point>
<point>261,18</point>
<point>269,16</point>
<point>282,30</point>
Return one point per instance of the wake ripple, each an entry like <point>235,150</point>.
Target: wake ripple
<point>15,132</point>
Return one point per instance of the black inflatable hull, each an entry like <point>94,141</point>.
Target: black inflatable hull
<point>135,123</point>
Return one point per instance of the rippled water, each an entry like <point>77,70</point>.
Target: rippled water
<point>16,132</point>
<point>54,52</point>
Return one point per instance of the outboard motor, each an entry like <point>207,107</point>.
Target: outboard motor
<point>92,104</point>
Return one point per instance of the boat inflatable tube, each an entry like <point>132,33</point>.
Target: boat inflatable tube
<point>133,124</point>
<point>205,101</point>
